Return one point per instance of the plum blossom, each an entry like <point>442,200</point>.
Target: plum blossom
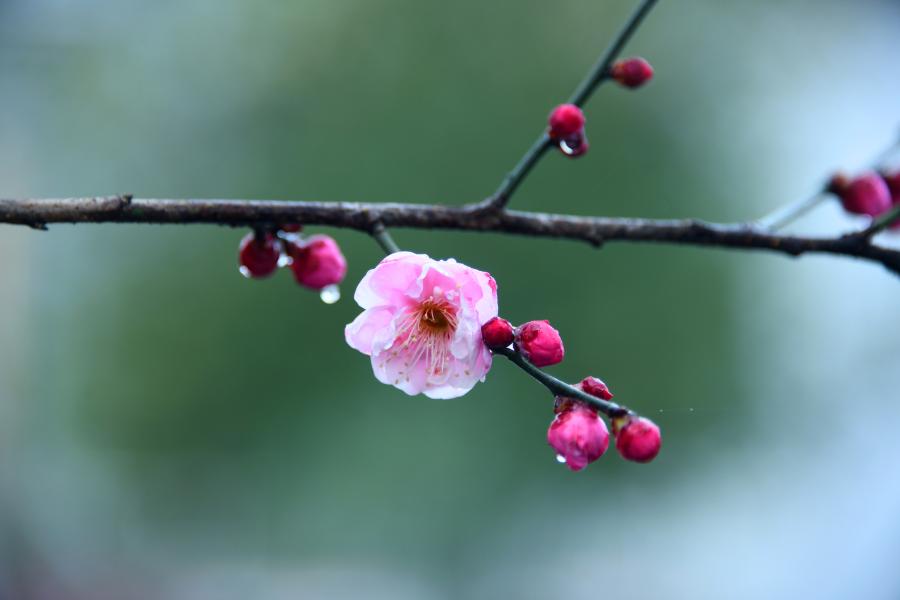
<point>421,324</point>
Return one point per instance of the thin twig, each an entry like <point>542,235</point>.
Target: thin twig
<point>511,182</point>
<point>791,212</point>
<point>384,239</point>
<point>597,75</point>
<point>884,221</point>
<point>470,217</point>
<point>561,388</point>
<point>600,71</point>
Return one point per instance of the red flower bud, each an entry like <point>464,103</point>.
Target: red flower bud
<point>565,120</point>
<point>893,182</point>
<point>595,387</point>
<point>632,72</point>
<point>540,343</point>
<point>867,194</point>
<point>637,438</point>
<point>318,262</point>
<point>258,257</point>
<point>497,333</point>
<point>578,435</point>
<point>892,179</point>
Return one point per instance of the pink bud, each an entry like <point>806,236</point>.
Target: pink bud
<point>892,179</point>
<point>565,120</point>
<point>637,438</point>
<point>540,343</point>
<point>595,387</point>
<point>318,262</point>
<point>867,194</point>
<point>578,435</point>
<point>258,257</point>
<point>497,333</point>
<point>632,72</point>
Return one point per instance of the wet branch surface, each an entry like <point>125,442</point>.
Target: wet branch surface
<point>370,217</point>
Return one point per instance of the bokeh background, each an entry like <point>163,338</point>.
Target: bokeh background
<point>169,429</point>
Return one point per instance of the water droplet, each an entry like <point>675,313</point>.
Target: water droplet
<point>244,271</point>
<point>691,409</point>
<point>574,145</point>
<point>560,458</point>
<point>330,294</point>
<point>284,259</point>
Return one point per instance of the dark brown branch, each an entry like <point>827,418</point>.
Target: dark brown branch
<point>364,216</point>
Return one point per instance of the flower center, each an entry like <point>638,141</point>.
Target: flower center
<point>425,334</point>
<point>437,316</point>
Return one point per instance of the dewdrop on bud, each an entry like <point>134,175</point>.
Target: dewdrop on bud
<point>575,145</point>
<point>566,129</point>
<point>565,120</point>
<point>330,294</point>
<point>637,438</point>
<point>258,255</point>
<point>578,435</point>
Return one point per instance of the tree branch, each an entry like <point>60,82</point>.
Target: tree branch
<point>364,216</point>
<point>600,71</point>
<point>561,388</point>
<point>597,75</point>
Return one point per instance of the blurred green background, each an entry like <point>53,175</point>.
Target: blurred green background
<point>169,429</point>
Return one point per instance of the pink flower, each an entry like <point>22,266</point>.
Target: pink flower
<point>540,343</point>
<point>578,435</point>
<point>421,324</point>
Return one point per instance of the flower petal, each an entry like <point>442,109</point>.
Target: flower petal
<point>387,283</point>
<point>362,332</point>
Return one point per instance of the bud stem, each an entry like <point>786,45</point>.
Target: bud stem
<point>561,388</point>
<point>791,212</point>
<point>384,239</point>
<point>885,220</point>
